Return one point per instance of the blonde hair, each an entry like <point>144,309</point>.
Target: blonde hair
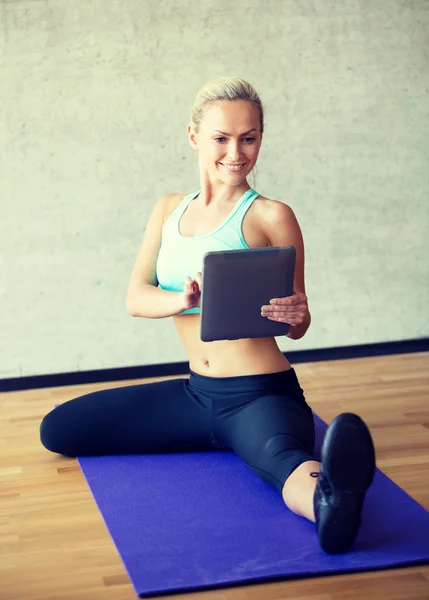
<point>225,89</point>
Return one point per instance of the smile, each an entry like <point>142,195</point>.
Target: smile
<point>233,168</point>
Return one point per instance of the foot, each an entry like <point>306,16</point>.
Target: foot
<point>346,472</point>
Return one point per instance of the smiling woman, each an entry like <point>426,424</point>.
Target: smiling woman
<point>224,114</point>
<point>241,394</point>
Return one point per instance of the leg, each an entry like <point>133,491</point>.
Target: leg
<point>298,490</point>
<point>137,419</point>
<point>266,421</point>
<point>332,493</point>
<point>274,435</point>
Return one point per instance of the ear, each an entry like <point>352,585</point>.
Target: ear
<point>193,137</point>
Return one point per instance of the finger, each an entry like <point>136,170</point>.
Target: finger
<point>288,320</point>
<point>199,279</point>
<point>282,301</point>
<point>283,310</point>
<point>285,307</point>
<point>296,315</point>
<point>296,298</point>
<point>189,284</point>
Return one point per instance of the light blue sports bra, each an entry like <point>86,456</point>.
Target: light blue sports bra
<point>181,255</point>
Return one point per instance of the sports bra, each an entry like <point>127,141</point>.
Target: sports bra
<point>181,255</point>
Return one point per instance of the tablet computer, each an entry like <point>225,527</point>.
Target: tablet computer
<point>236,284</point>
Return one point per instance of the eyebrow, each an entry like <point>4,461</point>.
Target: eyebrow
<point>245,133</point>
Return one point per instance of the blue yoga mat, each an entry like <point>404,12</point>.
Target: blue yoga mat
<point>193,521</point>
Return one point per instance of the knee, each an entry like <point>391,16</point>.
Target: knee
<point>52,434</point>
<point>281,455</point>
<point>278,447</point>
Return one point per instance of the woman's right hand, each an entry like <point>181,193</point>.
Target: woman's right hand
<point>192,292</point>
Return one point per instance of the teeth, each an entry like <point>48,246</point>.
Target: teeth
<point>232,168</point>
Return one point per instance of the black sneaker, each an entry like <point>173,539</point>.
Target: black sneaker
<point>346,472</point>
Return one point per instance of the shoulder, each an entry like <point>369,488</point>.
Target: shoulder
<point>280,228</point>
<point>168,203</point>
<point>277,220</point>
<point>271,210</point>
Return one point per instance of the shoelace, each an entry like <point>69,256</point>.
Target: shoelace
<point>322,484</point>
<point>344,499</point>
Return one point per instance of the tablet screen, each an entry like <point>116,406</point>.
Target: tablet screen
<point>236,283</point>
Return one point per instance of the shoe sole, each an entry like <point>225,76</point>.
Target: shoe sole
<point>348,462</point>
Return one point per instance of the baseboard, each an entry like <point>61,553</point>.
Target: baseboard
<point>182,368</point>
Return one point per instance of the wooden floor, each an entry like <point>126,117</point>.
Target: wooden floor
<point>54,544</point>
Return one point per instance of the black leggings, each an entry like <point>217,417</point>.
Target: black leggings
<point>264,419</point>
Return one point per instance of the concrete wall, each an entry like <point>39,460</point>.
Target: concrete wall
<point>94,103</point>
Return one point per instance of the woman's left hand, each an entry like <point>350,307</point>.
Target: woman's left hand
<point>292,309</point>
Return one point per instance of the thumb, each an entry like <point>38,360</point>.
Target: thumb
<point>190,285</point>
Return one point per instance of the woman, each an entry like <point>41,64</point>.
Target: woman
<point>242,394</point>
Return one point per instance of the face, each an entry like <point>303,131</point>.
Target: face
<point>228,141</point>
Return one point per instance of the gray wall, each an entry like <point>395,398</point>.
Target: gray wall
<point>94,104</point>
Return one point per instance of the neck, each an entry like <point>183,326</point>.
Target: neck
<point>220,193</point>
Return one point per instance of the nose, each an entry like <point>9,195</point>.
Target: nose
<point>234,151</point>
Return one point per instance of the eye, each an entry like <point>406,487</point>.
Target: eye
<point>246,140</point>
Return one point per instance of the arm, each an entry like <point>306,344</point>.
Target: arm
<point>144,298</point>
<point>282,229</point>
<point>298,331</point>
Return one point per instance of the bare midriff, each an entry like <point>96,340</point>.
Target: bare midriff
<point>229,358</point>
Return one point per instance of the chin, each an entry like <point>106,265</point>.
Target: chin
<point>233,183</point>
